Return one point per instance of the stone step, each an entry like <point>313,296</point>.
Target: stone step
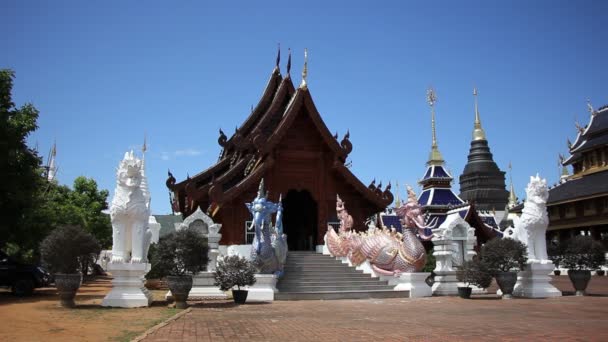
<point>333,287</point>
<point>325,279</point>
<point>313,263</point>
<point>332,295</point>
<point>338,282</point>
<point>321,268</point>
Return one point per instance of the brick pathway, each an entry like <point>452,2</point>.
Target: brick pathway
<point>482,318</point>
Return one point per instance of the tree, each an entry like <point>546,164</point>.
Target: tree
<point>20,174</point>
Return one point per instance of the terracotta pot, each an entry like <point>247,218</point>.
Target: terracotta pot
<point>239,296</point>
<point>557,272</point>
<point>180,287</point>
<point>580,280</point>
<point>506,281</point>
<point>67,285</point>
<point>464,292</point>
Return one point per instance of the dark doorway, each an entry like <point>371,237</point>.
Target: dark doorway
<point>300,220</point>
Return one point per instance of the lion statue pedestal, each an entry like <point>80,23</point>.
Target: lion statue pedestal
<point>531,229</point>
<point>130,213</point>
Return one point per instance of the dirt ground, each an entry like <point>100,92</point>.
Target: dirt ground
<point>40,318</point>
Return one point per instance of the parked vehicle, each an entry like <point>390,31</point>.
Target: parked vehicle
<point>21,278</point>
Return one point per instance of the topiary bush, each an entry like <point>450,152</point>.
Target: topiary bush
<point>504,254</point>
<point>180,253</point>
<point>234,271</point>
<point>475,272</point>
<point>583,253</point>
<point>64,249</point>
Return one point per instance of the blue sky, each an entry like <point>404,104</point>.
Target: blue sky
<point>103,74</point>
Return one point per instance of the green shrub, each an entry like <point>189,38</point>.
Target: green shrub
<point>504,254</point>
<point>583,253</point>
<point>430,262</point>
<point>181,252</point>
<point>555,251</point>
<point>234,271</point>
<point>65,249</point>
<point>475,272</point>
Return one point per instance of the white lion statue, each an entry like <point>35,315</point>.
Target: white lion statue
<point>531,227</point>
<point>129,212</point>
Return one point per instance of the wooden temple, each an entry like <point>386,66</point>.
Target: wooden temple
<point>285,141</point>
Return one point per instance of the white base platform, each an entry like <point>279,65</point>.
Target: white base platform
<point>264,288</point>
<point>445,284</point>
<point>413,282</point>
<point>128,289</point>
<point>533,282</point>
<point>203,288</point>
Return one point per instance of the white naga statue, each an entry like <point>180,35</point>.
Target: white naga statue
<point>531,227</point>
<point>130,211</point>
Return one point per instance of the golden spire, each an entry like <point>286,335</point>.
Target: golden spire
<point>397,201</point>
<point>435,157</point>
<point>303,85</point>
<point>512,196</point>
<point>478,133</point>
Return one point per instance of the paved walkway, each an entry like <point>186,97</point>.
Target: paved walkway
<point>482,318</point>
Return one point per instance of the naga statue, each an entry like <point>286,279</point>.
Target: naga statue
<point>130,211</point>
<point>388,251</point>
<point>411,214</point>
<point>531,227</point>
<point>269,248</point>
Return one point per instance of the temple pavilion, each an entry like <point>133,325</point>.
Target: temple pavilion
<point>437,198</point>
<point>284,141</point>
<point>579,203</point>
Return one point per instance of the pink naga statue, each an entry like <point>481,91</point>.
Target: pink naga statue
<point>388,251</point>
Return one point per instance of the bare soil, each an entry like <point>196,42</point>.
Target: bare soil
<point>41,318</point>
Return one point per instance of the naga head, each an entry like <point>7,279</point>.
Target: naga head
<point>129,170</point>
<point>261,208</point>
<point>537,190</point>
<point>411,212</point>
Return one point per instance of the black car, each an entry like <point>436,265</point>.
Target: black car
<point>21,278</point>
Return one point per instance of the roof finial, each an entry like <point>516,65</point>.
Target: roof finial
<point>278,56</point>
<point>144,148</point>
<point>590,108</point>
<point>288,60</point>
<point>435,157</point>
<point>303,85</point>
<point>512,196</point>
<point>478,133</point>
<point>564,172</point>
<point>398,200</point>
<point>578,127</point>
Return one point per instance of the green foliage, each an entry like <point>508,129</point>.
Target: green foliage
<point>555,251</point>
<point>475,272</point>
<point>504,254</point>
<point>64,249</point>
<point>430,262</point>
<point>155,271</point>
<point>181,252</point>
<point>19,165</point>
<point>583,253</point>
<point>234,271</point>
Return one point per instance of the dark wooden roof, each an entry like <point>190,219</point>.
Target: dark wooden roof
<point>595,184</point>
<point>248,153</point>
<point>594,135</point>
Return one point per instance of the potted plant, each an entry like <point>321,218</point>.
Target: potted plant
<point>178,257</point>
<point>600,272</point>
<point>582,254</point>
<point>504,257</point>
<point>473,272</point>
<point>234,271</point>
<point>62,252</point>
<point>555,251</point>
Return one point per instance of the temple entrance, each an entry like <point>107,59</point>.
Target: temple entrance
<point>300,220</point>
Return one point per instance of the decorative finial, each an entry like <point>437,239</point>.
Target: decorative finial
<point>251,108</point>
<point>278,56</point>
<point>288,60</point>
<point>303,85</point>
<point>478,132</point>
<point>144,148</point>
<point>590,107</point>
<point>578,127</point>
<point>569,143</point>
<point>261,193</point>
<point>435,157</point>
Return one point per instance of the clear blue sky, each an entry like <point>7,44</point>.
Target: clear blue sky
<point>103,74</point>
